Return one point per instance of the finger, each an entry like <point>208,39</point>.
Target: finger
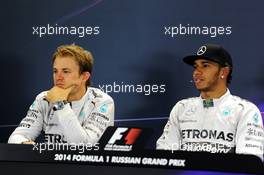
<point>72,86</point>
<point>47,97</point>
<point>28,142</point>
<point>54,87</point>
<point>69,89</point>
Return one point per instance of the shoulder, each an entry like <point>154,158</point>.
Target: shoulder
<point>39,104</point>
<point>99,96</point>
<point>188,101</point>
<point>41,95</point>
<point>185,103</point>
<point>245,104</point>
<point>249,112</point>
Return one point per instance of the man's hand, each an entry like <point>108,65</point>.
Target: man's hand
<point>58,94</point>
<point>29,142</point>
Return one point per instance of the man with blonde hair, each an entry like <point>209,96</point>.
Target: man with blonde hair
<point>71,111</point>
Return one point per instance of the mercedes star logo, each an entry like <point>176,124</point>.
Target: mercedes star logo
<point>201,50</point>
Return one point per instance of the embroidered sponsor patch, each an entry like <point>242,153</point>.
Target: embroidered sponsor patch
<point>103,108</point>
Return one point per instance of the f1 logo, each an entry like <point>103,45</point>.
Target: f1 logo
<point>117,135</point>
<point>130,138</point>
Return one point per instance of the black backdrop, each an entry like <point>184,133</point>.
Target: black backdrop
<point>136,43</point>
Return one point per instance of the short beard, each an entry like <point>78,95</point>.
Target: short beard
<point>211,84</point>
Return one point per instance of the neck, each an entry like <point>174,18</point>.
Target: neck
<point>217,93</point>
<point>78,94</point>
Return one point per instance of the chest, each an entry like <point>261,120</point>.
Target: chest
<point>51,118</point>
<point>220,118</point>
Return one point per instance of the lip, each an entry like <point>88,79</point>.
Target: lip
<point>198,80</point>
<point>60,85</point>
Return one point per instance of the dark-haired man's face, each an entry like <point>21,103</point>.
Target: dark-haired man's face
<point>206,75</point>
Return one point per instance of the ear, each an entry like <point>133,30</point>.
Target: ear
<point>225,71</point>
<point>85,76</point>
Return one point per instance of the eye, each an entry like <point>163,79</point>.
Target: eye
<point>206,65</point>
<point>66,71</point>
<point>54,71</point>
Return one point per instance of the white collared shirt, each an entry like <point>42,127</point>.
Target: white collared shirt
<point>82,121</point>
<point>231,124</point>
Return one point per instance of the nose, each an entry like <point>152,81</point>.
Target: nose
<point>197,71</point>
<point>58,76</point>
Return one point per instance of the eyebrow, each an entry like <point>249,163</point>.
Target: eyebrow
<point>205,61</point>
<point>62,68</point>
<point>210,62</point>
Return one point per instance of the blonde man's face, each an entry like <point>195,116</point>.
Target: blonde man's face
<point>66,73</point>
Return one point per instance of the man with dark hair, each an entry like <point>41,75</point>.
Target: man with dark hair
<point>217,121</point>
<point>71,111</point>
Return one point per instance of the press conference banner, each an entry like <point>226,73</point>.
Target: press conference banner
<point>178,160</point>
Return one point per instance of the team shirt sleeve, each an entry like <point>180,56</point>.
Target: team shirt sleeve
<point>250,133</point>
<point>171,137</point>
<point>30,127</point>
